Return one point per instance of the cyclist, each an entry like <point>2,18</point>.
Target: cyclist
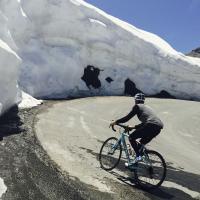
<point>149,128</point>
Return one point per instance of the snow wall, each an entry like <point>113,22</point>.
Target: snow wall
<point>70,48</point>
<point>9,71</point>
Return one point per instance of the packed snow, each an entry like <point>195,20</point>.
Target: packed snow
<point>28,101</point>
<point>58,41</point>
<point>3,187</point>
<point>9,70</point>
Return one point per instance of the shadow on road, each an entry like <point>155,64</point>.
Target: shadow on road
<point>163,192</point>
<point>185,185</point>
<point>10,123</point>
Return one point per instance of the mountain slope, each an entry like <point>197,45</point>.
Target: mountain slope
<point>195,53</point>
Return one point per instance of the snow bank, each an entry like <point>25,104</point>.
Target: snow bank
<point>3,187</point>
<point>28,101</point>
<point>57,40</point>
<point>9,92</point>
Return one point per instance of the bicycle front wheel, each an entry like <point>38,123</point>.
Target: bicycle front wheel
<point>110,154</point>
<point>150,172</point>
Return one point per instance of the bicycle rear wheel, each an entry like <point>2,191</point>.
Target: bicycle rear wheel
<point>110,154</point>
<point>150,172</point>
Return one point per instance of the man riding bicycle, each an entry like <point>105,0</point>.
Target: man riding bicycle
<point>149,128</point>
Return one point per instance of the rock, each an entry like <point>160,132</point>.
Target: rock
<point>194,53</point>
<point>109,80</point>
<point>130,88</point>
<point>90,77</point>
<point>164,94</point>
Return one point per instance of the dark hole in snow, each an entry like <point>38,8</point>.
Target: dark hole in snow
<point>109,80</point>
<point>164,94</point>
<point>90,77</point>
<point>130,88</point>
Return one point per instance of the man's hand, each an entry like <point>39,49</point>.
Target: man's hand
<point>131,127</point>
<point>138,126</point>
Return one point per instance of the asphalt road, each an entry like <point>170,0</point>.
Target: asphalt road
<point>72,132</point>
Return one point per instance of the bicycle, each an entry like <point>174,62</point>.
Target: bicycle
<point>149,173</point>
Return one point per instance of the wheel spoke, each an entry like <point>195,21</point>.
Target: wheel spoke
<point>152,171</point>
<point>110,154</point>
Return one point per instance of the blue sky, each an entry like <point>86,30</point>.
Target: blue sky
<point>176,21</point>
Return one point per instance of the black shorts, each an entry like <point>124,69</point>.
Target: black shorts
<point>146,133</point>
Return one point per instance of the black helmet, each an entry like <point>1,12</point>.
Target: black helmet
<point>139,97</point>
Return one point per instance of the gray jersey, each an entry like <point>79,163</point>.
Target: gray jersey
<point>144,113</point>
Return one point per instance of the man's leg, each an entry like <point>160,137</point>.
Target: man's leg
<point>152,131</point>
<point>146,133</point>
<point>135,146</point>
<point>138,133</point>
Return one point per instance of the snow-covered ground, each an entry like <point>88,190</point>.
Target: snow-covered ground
<point>70,48</point>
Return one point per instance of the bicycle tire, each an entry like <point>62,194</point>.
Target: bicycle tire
<point>107,160</point>
<point>150,170</point>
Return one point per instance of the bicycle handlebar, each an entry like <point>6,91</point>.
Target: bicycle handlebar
<point>126,128</point>
<point>113,128</point>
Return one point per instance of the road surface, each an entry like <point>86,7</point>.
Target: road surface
<point>72,132</point>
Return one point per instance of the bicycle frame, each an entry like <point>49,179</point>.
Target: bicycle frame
<point>122,141</point>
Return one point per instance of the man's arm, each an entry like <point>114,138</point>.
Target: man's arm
<point>129,116</point>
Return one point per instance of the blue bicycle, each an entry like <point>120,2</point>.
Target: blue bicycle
<point>149,173</point>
